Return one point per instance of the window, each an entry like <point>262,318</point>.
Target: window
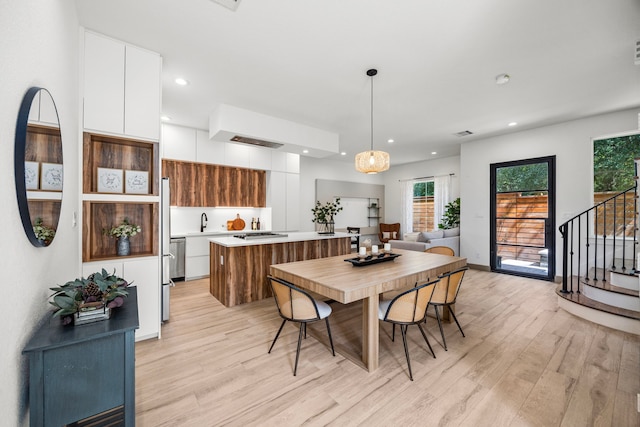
<point>423,206</point>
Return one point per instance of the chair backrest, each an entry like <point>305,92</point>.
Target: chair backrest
<point>389,228</point>
<point>293,303</point>
<point>442,250</point>
<point>411,305</point>
<point>447,289</point>
<point>353,230</point>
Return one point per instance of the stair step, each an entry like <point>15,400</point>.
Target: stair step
<point>580,298</point>
<point>601,279</point>
<point>623,266</point>
<point>627,281</point>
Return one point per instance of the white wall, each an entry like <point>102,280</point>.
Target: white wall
<point>38,41</point>
<point>393,186</point>
<point>312,169</point>
<point>570,142</point>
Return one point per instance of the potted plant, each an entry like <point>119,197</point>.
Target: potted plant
<point>43,233</point>
<point>451,217</point>
<point>89,300</point>
<point>323,215</point>
<point>122,232</point>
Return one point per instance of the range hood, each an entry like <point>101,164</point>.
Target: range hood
<point>233,124</point>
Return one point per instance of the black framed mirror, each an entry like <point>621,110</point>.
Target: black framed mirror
<point>38,166</point>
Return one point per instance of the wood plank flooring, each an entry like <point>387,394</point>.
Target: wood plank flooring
<point>524,362</point>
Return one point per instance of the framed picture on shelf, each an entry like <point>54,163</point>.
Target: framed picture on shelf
<point>31,175</point>
<point>51,177</point>
<point>136,182</point>
<point>109,180</point>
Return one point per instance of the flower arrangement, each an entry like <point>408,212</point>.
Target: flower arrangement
<point>324,213</point>
<point>98,290</point>
<point>126,229</point>
<point>42,232</point>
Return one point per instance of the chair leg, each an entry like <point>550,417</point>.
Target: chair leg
<point>305,330</point>
<point>393,333</point>
<point>330,339</point>
<point>403,329</point>
<point>295,369</point>
<point>444,342</point>
<point>456,319</point>
<point>426,339</point>
<point>277,335</point>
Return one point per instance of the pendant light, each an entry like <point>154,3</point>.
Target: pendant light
<point>372,161</point>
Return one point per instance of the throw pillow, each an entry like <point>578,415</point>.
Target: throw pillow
<point>421,238</point>
<point>452,232</point>
<point>430,235</point>
<point>394,235</point>
<point>386,234</point>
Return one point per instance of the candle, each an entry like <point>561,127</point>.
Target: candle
<point>374,249</point>
<point>387,247</point>
<point>363,250</point>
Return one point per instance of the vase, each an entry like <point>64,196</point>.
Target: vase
<point>124,247</point>
<point>327,227</point>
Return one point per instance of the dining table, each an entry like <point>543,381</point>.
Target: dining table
<point>348,282</point>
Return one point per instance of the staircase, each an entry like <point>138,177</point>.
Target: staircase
<point>600,280</point>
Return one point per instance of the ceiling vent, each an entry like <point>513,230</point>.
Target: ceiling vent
<point>637,61</point>
<point>254,141</point>
<point>229,4</point>
<point>463,133</point>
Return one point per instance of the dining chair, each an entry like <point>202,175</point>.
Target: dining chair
<point>442,250</point>
<point>445,295</point>
<point>408,308</point>
<point>355,240</point>
<point>296,305</point>
<point>389,232</point>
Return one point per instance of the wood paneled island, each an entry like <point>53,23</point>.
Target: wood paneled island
<point>239,268</point>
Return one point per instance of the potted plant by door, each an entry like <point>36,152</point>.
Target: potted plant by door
<point>324,215</point>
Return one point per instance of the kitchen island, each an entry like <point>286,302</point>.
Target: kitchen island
<point>239,267</point>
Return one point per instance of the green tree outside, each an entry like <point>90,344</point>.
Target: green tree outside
<point>613,163</point>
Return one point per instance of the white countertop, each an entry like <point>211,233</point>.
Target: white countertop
<point>218,233</point>
<point>230,241</point>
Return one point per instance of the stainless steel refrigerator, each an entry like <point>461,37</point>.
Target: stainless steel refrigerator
<point>165,217</point>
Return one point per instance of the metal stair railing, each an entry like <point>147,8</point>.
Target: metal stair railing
<point>605,221</point>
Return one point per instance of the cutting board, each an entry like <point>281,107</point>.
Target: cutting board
<point>238,223</point>
<point>230,225</point>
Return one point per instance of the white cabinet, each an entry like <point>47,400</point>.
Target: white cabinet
<point>209,151</point>
<point>142,93</point>
<point>196,261</point>
<point>293,163</point>
<point>260,158</point>
<point>178,143</point>
<point>121,88</point>
<point>103,84</point>
<point>145,275</point>
<point>283,195</point>
<point>236,155</point>
<point>278,161</point>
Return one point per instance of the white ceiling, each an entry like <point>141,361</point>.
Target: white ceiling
<point>305,61</point>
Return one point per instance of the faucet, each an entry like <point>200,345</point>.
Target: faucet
<point>203,221</point>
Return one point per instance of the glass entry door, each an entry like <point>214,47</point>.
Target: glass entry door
<point>523,217</point>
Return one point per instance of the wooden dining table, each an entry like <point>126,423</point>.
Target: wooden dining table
<point>341,281</point>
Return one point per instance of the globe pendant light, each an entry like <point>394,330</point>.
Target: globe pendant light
<point>372,161</point>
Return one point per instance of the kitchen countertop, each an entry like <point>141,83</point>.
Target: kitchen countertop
<point>230,241</point>
<point>219,233</point>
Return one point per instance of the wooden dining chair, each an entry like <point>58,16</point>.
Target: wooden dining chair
<point>445,296</point>
<point>408,308</point>
<point>296,305</point>
<point>442,250</point>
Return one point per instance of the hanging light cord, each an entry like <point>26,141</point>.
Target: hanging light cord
<point>371,113</point>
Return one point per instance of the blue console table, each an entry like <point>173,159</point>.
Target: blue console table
<point>76,372</point>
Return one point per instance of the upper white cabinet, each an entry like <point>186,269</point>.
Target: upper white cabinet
<point>260,158</point>
<point>208,151</point>
<point>236,155</point>
<point>178,143</point>
<point>121,88</point>
<point>293,163</point>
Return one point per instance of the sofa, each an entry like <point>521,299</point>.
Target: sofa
<point>426,239</point>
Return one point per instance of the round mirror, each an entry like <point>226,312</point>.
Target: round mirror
<point>38,166</point>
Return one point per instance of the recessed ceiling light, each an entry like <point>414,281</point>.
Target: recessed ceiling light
<point>502,79</point>
<point>344,153</point>
<point>165,118</point>
<point>433,153</point>
<point>513,123</point>
<point>305,151</point>
<point>181,81</point>
<point>390,141</point>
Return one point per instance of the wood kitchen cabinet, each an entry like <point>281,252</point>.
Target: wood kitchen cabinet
<point>201,184</point>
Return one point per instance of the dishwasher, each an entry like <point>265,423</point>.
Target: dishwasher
<point>176,264</point>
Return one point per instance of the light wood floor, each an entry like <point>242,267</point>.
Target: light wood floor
<point>523,362</point>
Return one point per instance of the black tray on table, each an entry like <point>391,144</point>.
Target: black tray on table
<point>372,259</point>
